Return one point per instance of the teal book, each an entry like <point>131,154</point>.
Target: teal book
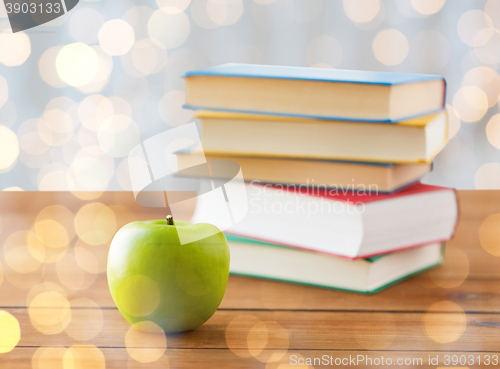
<point>264,260</point>
<point>317,93</point>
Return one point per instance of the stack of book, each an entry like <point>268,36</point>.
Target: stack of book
<point>333,161</point>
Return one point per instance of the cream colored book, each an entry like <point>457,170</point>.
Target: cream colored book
<point>264,260</point>
<point>315,92</point>
<point>413,141</point>
<point>373,177</point>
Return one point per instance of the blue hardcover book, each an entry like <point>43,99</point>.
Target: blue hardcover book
<point>337,94</point>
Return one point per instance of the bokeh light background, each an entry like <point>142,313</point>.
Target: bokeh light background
<point>78,93</point>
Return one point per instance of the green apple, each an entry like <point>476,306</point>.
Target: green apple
<point>155,277</point>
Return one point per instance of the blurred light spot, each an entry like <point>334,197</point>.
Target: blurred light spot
<point>492,8</point>
<point>471,103</point>
<point>14,188</point>
<point>139,295</point>
<point>44,287</point>
<point>475,28</point>
<point>371,337</point>
<point>1,273</point>
<point>304,10</point>
<point>123,215</point>
<point>173,6</point>
<point>77,64</point>
<point>168,30</point>
<point>487,80</point>
<point>488,177</point>
<point>390,47</point>
<point>56,127</point>
<point>9,148</point>
<point>486,54</point>
<point>101,79</point>
<point>267,333</point>
<point>62,216</point>
<point>427,7</point>
<point>454,270</point>
<point>34,151</point>
<point>493,131</point>
<point>145,342</point>
<point>86,260</point>
<point>264,2</point>
<point>17,252</point>
<point>237,332</point>
<point>324,49</point>
<point>138,17</point>
<point>10,332</point>
<point>50,312</point>
<point>116,37</point>
<point>49,358</point>
<point>94,110</point>
<point>225,12</point>
<point>361,11</point>
<point>72,275</point>
<point>171,110</point>
<point>489,234</point>
<point>84,25</point>
<point>146,58</point>
<point>454,121</point>
<point>4,91</point>
<point>95,223</point>
<point>16,48</point>
<point>83,357</point>
<point>91,170</point>
<point>200,16</point>
<point>65,104</point>
<point>88,255</point>
<point>87,195</point>
<point>52,233</point>
<point>118,135</point>
<point>47,67</point>
<point>87,319</point>
<point>430,51</point>
<point>52,177</point>
<point>257,338</point>
<point>445,322</point>
<point>121,106</point>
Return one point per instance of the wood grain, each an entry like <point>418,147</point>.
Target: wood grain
<point>258,318</point>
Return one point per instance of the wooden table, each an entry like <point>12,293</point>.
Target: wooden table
<point>59,296</point>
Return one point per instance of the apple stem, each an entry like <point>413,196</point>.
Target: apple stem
<point>170,220</point>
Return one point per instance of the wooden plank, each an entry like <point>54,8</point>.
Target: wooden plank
<point>416,294</point>
<point>289,330</point>
<point>465,256</point>
<point>118,358</point>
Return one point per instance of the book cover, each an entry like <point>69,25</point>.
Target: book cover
<point>312,74</point>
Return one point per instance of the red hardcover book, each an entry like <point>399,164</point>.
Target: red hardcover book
<point>349,224</point>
